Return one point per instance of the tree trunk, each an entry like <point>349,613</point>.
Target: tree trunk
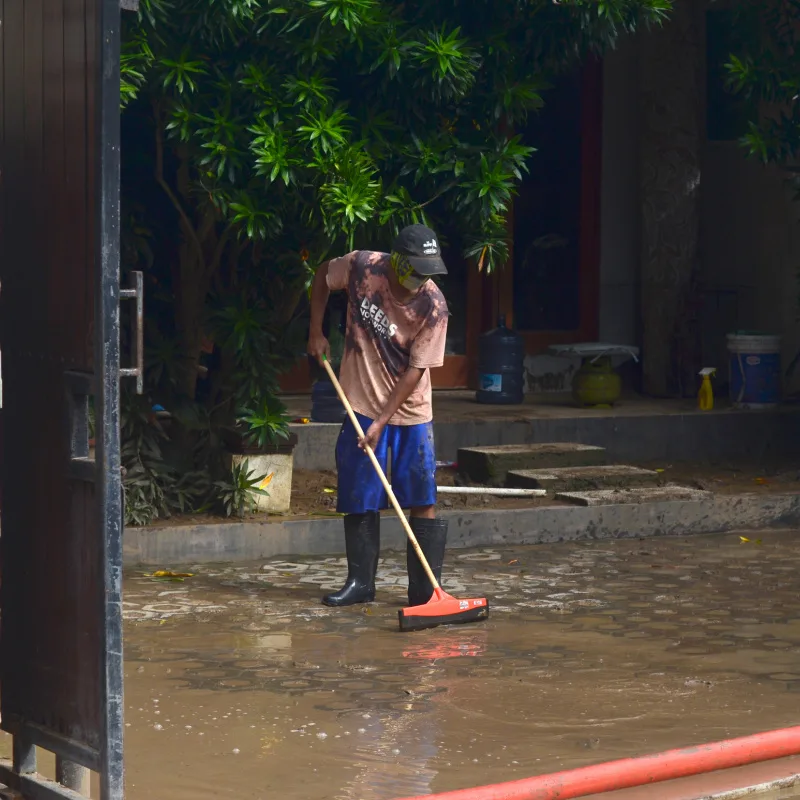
<point>199,258</point>
<point>292,296</point>
<point>671,128</point>
<point>189,300</point>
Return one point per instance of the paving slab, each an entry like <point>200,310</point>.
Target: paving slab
<point>572,479</point>
<point>636,496</point>
<point>490,465</point>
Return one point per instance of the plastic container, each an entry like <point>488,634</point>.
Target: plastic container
<point>501,375</point>
<point>755,370</point>
<point>705,397</point>
<point>325,403</point>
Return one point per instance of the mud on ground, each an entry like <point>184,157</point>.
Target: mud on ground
<point>314,493</point>
<point>241,685</point>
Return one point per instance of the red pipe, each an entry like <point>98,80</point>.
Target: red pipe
<point>629,772</point>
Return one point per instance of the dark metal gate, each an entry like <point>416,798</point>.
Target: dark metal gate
<point>61,542</point>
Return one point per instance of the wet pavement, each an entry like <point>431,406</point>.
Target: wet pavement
<point>239,684</point>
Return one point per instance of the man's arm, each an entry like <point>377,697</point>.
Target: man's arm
<point>318,345</point>
<point>401,392</point>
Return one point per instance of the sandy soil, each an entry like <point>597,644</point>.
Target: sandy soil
<point>731,477</point>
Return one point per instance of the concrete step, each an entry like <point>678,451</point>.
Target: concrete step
<point>637,496</point>
<point>490,465</point>
<point>576,479</point>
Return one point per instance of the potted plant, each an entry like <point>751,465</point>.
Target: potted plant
<point>241,492</point>
<point>262,440</point>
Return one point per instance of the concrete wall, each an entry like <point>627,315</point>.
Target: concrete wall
<point>750,252</point>
<point>619,220</point>
<point>669,438</point>
<point>749,232</point>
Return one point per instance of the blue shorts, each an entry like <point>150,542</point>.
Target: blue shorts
<point>409,451</point>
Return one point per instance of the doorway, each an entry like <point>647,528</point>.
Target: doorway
<point>549,288</point>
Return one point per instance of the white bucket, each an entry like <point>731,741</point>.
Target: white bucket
<point>278,469</point>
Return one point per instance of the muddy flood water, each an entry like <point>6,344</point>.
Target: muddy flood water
<point>239,684</point>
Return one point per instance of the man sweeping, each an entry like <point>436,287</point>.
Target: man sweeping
<point>396,329</point>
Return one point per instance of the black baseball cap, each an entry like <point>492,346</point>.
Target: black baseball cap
<point>420,245</point>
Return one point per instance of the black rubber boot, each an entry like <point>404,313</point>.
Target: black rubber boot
<point>432,537</point>
<point>362,536</point>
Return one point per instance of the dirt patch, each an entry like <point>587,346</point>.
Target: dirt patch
<point>314,493</point>
<point>448,477</point>
<point>731,477</point>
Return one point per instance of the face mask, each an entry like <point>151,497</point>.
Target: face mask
<point>413,282</point>
<point>405,273</point>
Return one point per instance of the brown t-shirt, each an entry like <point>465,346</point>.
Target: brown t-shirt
<point>385,337</point>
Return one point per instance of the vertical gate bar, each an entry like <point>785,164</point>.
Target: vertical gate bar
<point>72,776</point>
<point>24,755</point>
<point>106,360</point>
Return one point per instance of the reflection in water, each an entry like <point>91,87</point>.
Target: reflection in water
<point>390,771</point>
<point>396,760</point>
<point>470,644</point>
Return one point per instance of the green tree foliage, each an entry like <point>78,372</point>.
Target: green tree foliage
<point>765,69</point>
<point>282,130</point>
<point>259,137</point>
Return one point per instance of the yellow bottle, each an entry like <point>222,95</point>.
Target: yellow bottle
<point>705,397</point>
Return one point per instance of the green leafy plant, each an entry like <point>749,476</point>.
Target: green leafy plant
<point>261,137</point>
<point>267,424</point>
<point>153,488</point>
<point>238,494</point>
<point>279,132</point>
<point>765,71</point>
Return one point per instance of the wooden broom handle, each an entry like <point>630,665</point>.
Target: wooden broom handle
<point>386,485</point>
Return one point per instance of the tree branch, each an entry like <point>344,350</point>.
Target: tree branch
<point>446,188</point>
<point>212,266</point>
<point>159,176</point>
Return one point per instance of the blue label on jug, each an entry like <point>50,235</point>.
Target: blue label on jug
<point>491,383</point>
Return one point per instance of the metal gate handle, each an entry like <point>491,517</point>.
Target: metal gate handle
<point>136,292</point>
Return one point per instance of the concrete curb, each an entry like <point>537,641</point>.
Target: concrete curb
<point>683,789</point>
<point>249,541</point>
<point>766,780</point>
<point>759,790</point>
